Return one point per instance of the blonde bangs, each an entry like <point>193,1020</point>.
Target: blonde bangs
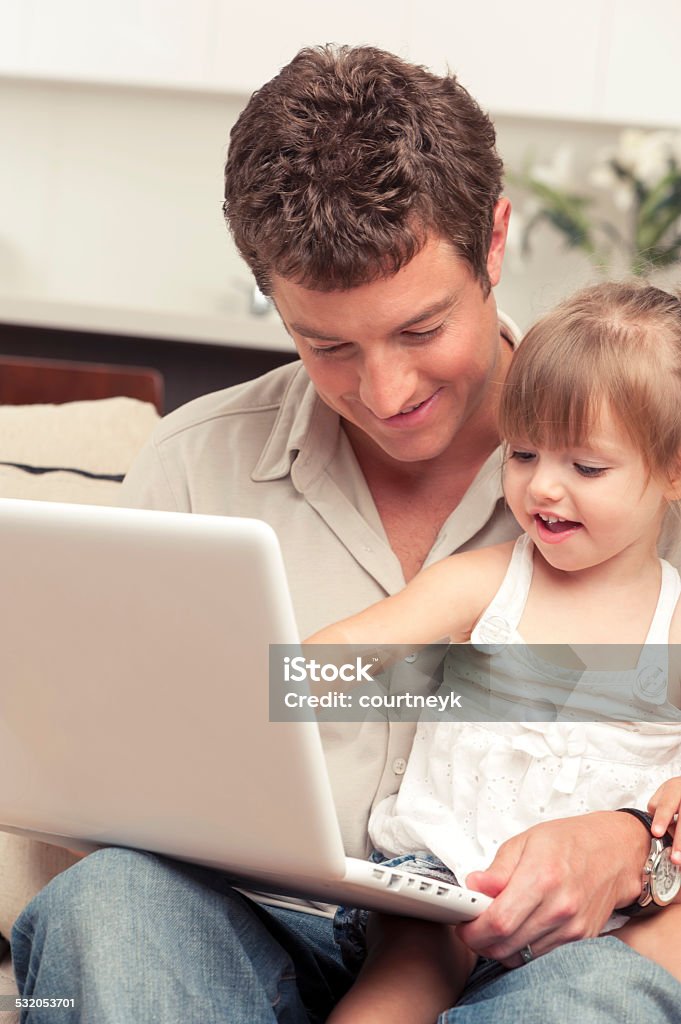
<point>614,344</point>
<point>544,404</point>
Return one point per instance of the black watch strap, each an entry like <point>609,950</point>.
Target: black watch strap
<point>643,816</point>
<point>646,820</point>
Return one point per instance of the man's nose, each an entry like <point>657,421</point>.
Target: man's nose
<point>387,384</point>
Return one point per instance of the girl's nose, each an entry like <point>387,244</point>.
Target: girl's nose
<point>546,484</point>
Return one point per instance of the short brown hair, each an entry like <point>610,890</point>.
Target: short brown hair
<point>618,342</point>
<point>339,166</point>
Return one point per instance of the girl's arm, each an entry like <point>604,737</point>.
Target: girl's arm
<point>442,602</point>
<point>413,972</point>
<point>665,806</point>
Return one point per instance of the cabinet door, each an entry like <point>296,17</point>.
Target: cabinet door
<point>640,79</point>
<point>150,42</point>
<point>251,48</point>
<point>527,57</point>
<point>13,35</point>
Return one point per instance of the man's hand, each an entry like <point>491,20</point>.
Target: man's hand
<point>557,882</point>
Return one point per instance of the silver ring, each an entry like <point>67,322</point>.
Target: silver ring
<point>526,954</point>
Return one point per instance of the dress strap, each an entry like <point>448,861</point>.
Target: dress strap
<point>652,672</point>
<point>498,624</point>
<point>670,591</point>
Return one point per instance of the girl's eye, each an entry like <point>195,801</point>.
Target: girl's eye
<point>589,470</point>
<point>521,456</point>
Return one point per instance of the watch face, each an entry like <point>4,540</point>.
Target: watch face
<point>665,882</point>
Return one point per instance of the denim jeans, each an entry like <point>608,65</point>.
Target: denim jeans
<point>139,939</point>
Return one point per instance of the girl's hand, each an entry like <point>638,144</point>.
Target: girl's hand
<point>665,805</point>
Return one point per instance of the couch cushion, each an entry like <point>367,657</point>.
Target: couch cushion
<point>99,438</point>
<point>76,452</point>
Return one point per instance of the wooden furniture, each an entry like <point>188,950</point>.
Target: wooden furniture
<point>25,381</point>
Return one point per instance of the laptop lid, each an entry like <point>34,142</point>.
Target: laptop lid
<point>134,697</point>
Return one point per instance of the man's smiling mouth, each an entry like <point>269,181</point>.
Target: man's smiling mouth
<point>415,413</point>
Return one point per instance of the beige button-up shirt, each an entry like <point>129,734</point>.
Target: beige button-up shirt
<point>272,450</point>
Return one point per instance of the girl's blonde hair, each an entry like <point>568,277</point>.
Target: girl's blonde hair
<point>618,343</point>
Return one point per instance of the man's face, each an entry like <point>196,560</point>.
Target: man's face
<point>405,360</point>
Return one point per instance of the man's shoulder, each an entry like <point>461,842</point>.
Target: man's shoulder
<point>264,395</point>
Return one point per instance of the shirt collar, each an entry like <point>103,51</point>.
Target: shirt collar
<point>305,432</point>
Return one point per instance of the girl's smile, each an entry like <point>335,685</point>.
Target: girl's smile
<point>554,530</point>
<point>585,506</point>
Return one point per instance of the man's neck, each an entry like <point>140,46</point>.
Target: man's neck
<point>415,499</point>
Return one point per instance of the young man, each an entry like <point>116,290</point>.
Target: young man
<point>365,195</point>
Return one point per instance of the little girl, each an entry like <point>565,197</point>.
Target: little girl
<point>591,420</point>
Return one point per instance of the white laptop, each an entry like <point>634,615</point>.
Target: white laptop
<point>134,704</point>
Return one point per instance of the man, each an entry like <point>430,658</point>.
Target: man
<point>365,195</point>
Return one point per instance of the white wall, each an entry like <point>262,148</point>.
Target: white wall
<point>111,195</point>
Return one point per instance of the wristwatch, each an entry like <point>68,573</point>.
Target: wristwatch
<point>661,879</point>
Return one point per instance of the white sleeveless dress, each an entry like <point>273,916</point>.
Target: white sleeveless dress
<point>471,785</point>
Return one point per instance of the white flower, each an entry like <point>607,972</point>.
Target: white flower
<point>603,176</point>
<point>645,155</point>
<point>623,196</point>
<point>629,146</point>
<point>558,172</point>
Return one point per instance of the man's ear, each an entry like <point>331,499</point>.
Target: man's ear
<point>497,247</point>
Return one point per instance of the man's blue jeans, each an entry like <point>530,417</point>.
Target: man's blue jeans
<point>136,939</point>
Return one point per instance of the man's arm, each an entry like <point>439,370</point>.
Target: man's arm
<point>557,882</point>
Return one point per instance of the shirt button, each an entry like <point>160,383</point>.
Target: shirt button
<point>411,658</point>
<point>399,765</point>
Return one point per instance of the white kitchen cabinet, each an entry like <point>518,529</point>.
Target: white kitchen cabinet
<point>251,46</point>
<point>226,45</point>
<point>641,74</point>
<point>147,42</point>
<point>527,57</point>
<point>610,60</point>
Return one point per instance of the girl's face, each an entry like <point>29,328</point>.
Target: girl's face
<point>585,506</point>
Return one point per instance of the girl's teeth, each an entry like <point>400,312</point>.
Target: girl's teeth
<point>552,519</point>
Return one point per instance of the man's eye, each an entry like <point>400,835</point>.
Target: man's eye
<point>328,350</point>
<point>425,335</point>
<point>590,470</point>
